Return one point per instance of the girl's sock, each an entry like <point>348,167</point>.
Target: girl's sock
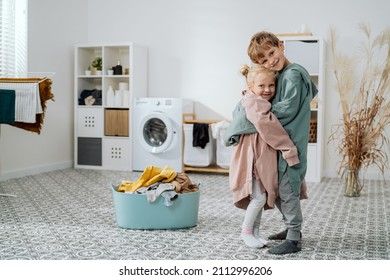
<point>260,238</point>
<point>250,240</point>
<point>253,216</point>
<point>256,227</point>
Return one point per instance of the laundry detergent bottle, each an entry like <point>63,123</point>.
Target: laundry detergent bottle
<point>110,97</point>
<point>118,98</point>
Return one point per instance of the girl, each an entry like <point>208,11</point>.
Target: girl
<point>257,135</point>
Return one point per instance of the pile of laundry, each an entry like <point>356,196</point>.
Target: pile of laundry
<point>155,182</point>
<point>90,97</point>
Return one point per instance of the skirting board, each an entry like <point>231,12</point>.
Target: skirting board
<point>35,170</point>
<point>63,165</point>
<point>369,175</point>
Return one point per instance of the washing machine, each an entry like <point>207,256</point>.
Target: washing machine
<point>157,136</point>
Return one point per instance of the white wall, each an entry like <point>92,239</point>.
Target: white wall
<point>195,51</point>
<point>54,27</point>
<point>197,47</point>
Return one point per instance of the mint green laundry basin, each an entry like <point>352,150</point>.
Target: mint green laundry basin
<point>133,211</point>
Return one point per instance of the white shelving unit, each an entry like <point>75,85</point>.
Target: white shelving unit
<point>102,133</point>
<point>308,51</point>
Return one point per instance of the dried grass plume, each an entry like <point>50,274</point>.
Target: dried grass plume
<point>364,89</point>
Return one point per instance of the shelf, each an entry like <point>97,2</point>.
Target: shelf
<point>307,34</point>
<point>209,169</point>
<point>115,137</point>
<point>116,107</point>
<point>90,76</point>
<point>200,121</point>
<point>102,76</point>
<point>116,76</point>
<point>108,128</point>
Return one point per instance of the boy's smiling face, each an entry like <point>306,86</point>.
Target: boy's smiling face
<point>273,58</point>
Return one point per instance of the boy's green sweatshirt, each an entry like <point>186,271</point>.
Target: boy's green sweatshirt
<point>291,106</point>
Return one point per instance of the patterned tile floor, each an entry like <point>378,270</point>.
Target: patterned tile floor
<point>69,215</point>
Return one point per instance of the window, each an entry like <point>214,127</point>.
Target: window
<point>13,38</point>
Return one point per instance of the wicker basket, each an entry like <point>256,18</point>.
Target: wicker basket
<point>313,131</point>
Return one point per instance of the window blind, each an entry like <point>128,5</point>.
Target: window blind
<point>13,38</point>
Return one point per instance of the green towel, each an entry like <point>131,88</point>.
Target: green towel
<point>7,106</point>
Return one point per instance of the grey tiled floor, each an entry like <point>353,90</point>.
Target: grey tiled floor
<point>69,214</point>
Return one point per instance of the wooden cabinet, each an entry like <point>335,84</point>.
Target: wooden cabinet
<point>116,122</point>
<point>102,133</point>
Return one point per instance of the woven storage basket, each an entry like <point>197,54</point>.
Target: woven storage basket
<point>313,131</point>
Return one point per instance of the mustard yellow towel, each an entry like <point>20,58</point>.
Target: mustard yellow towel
<point>151,175</point>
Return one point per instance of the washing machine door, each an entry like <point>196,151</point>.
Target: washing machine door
<point>155,132</point>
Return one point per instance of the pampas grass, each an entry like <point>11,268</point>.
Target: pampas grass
<point>364,89</point>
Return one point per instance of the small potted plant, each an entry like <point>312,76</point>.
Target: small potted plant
<point>88,71</point>
<point>97,65</point>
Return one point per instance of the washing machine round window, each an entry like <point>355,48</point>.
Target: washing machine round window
<point>156,132</point>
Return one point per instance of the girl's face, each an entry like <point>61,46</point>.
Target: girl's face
<point>263,85</point>
<point>274,58</point>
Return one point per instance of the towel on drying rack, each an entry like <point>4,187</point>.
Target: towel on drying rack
<point>7,106</point>
<point>45,94</point>
<point>27,100</point>
<point>200,134</point>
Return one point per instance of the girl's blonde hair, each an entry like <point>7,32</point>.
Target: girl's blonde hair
<point>250,73</point>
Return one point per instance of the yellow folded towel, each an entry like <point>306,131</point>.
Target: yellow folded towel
<point>151,175</point>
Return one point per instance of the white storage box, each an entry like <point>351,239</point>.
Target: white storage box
<point>223,153</point>
<point>196,156</point>
<point>90,122</point>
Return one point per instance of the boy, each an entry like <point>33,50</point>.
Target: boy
<point>291,106</point>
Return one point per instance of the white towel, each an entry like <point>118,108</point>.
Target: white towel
<point>27,100</point>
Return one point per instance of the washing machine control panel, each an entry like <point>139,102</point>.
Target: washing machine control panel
<point>165,103</point>
<point>161,102</point>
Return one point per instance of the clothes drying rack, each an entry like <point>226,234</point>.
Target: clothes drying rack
<point>29,75</point>
<point>24,80</point>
